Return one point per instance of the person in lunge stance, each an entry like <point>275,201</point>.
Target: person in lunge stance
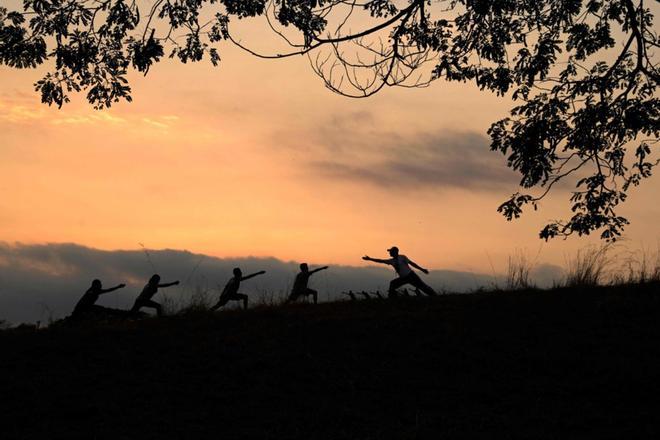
<point>86,306</point>
<point>401,265</point>
<point>300,284</point>
<point>151,288</point>
<point>230,292</point>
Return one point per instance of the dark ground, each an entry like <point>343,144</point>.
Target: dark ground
<point>537,365</point>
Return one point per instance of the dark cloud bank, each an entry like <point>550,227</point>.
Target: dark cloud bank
<point>39,282</point>
<point>424,160</point>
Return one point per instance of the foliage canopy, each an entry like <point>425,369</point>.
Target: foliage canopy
<point>582,73</point>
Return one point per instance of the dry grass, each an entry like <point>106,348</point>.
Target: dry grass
<point>606,264</point>
<point>590,266</point>
<point>638,266</point>
<point>199,298</point>
<point>269,298</point>
<point>518,272</point>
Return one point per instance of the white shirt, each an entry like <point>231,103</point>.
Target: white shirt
<point>400,264</point>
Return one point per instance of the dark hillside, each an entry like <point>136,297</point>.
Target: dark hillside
<point>540,365</point>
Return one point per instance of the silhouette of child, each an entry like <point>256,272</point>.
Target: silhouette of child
<point>230,292</point>
<point>300,284</point>
<point>87,304</point>
<point>150,289</point>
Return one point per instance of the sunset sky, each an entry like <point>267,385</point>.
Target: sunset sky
<point>257,158</point>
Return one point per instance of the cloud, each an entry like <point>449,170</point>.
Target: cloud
<point>444,160</point>
<point>362,148</point>
<point>90,118</point>
<point>347,131</point>
<point>20,113</point>
<point>155,123</point>
<point>46,280</point>
<point>547,275</point>
<point>21,109</point>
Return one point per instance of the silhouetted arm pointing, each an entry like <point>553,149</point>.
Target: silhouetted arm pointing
<point>413,264</point>
<point>174,283</point>
<point>112,289</point>
<point>318,270</point>
<point>247,277</point>
<point>376,260</point>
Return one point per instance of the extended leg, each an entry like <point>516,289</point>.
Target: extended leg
<point>421,285</point>
<point>242,297</point>
<point>314,294</point>
<point>221,302</point>
<point>293,297</point>
<point>395,284</point>
<point>153,305</point>
<point>101,311</point>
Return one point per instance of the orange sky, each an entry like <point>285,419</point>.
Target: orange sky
<point>250,158</point>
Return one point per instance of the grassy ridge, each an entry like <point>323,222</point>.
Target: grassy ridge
<point>567,363</point>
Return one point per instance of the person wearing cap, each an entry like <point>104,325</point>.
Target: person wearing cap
<point>300,284</point>
<point>230,292</point>
<point>87,304</point>
<point>401,265</point>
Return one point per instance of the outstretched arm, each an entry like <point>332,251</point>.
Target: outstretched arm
<point>174,283</point>
<point>112,289</point>
<point>375,260</point>
<point>318,270</point>
<point>413,264</point>
<point>247,277</point>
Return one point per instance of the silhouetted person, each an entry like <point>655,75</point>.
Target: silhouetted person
<point>86,306</point>
<point>230,292</point>
<point>300,284</point>
<point>150,289</point>
<point>401,265</point>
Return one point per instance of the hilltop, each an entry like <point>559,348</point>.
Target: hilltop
<point>565,363</point>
